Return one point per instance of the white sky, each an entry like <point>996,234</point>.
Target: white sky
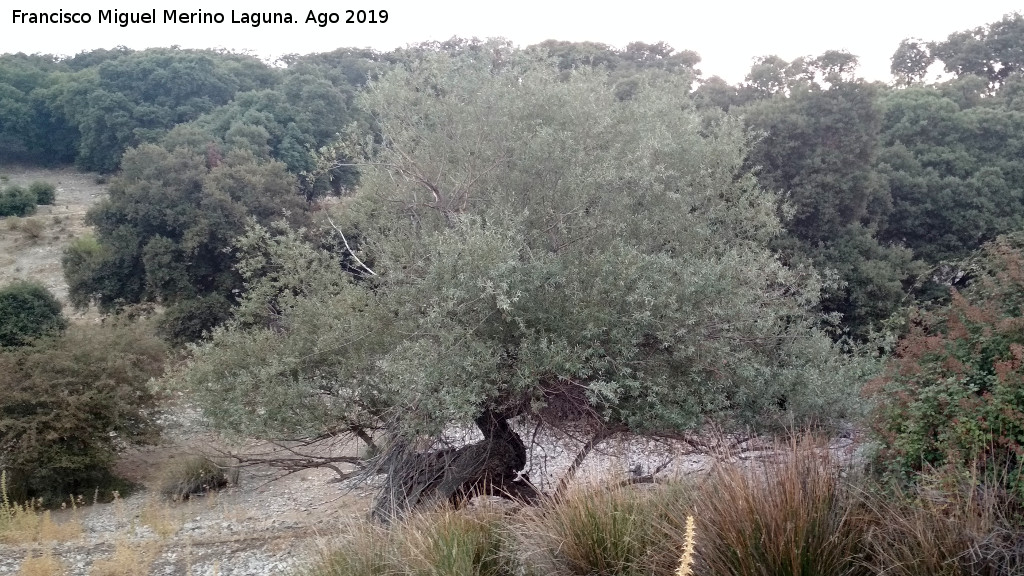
<point>727,35</point>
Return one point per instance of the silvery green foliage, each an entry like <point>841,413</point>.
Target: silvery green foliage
<point>533,237</point>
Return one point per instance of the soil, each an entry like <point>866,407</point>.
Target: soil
<point>28,254</point>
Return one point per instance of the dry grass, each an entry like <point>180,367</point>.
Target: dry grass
<point>164,520</point>
<point>128,559</point>
<point>25,523</point>
<point>42,565</point>
<point>191,475</point>
<point>789,516</point>
<point>945,530</point>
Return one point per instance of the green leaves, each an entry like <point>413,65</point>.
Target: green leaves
<point>537,241</point>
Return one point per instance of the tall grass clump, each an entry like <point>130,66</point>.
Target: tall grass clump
<point>364,552</point>
<point>790,516</point>
<point>441,542</point>
<point>947,525</point>
<point>618,530</point>
<point>453,542</point>
<point>192,475</point>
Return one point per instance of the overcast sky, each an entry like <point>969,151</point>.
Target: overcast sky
<point>727,35</point>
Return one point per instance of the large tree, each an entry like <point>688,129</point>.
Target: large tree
<point>529,245</point>
<point>165,231</point>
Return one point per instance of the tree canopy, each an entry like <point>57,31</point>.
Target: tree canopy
<point>527,243</point>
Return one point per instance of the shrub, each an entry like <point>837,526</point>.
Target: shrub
<point>953,394</point>
<point>44,192</point>
<point>69,401</point>
<point>194,475</point>
<point>80,260</point>
<point>17,201</point>
<point>27,311</point>
<point>33,228</point>
<point>189,320</point>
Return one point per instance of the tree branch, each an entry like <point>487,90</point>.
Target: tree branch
<point>347,247</point>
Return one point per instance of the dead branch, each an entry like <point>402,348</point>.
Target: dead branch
<point>570,473</point>
<point>347,247</point>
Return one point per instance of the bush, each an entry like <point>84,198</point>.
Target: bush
<point>68,403</point>
<point>953,395</point>
<point>17,201</point>
<point>32,229</point>
<point>44,192</point>
<point>27,311</point>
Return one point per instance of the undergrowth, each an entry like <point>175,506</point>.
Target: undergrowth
<point>799,513</point>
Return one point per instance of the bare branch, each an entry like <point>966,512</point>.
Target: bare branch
<point>347,247</point>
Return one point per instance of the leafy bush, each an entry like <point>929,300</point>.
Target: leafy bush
<point>44,192</point>
<point>189,320</point>
<point>69,401</point>
<point>27,311</point>
<point>80,260</point>
<point>953,395</point>
<point>17,201</point>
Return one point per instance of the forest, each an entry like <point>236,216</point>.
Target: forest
<point>568,235</point>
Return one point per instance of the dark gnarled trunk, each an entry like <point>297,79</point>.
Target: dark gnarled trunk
<point>490,466</point>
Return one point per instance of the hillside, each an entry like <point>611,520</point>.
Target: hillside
<point>31,247</point>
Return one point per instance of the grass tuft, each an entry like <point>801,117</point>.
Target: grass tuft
<point>128,559</point>
<point>428,543</point>
<point>42,565</point>
<point>944,527</point>
<point>188,476</point>
<point>619,530</point>
<point>792,516</point>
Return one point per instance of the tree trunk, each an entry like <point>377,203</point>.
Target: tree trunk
<point>491,466</point>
